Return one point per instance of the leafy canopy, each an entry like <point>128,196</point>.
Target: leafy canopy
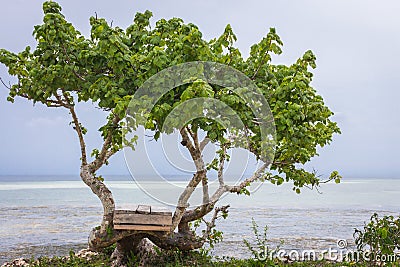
<point>107,67</point>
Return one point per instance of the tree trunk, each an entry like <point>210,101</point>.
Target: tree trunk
<point>182,241</point>
<point>131,242</point>
<point>105,196</point>
<point>126,248</point>
<point>140,247</point>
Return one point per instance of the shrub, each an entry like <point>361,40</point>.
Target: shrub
<point>380,238</point>
<point>261,250</point>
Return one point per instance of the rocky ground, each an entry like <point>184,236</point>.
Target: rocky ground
<point>84,254</point>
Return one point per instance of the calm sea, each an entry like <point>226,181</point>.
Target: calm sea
<point>49,215</point>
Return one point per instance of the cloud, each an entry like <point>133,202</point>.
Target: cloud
<point>356,44</point>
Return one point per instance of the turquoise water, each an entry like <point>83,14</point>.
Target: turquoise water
<point>56,214</point>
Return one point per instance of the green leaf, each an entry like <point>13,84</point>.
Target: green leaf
<point>107,67</point>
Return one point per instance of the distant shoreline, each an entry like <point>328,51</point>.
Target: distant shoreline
<point>170,177</point>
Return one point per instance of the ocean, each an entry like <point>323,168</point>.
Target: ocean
<point>49,215</point>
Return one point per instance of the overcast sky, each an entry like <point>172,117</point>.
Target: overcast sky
<point>358,64</point>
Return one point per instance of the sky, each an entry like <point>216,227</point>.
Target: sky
<point>357,47</point>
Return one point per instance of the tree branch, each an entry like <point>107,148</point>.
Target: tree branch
<point>194,137</point>
<point>78,130</point>
<point>204,181</point>
<point>200,175</point>
<point>191,215</point>
<point>221,166</point>
<point>106,150</point>
<point>198,213</point>
<point>187,142</point>
<point>69,61</point>
<point>204,143</point>
<point>211,224</point>
<point>58,102</point>
<point>261,63</point>
<point>5,85</point>
<point>183,200</point>
<point>248,181</point>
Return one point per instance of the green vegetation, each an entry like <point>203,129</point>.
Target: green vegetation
<point>109,67</point>
<point>72,261</point>
<point>380,238</point>
<point>192,258</point>
<point>261,250</point>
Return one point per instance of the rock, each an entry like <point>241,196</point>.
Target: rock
<point>86,254</point>
<point>17,263</point>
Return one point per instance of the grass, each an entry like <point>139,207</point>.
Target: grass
<point>72,261</point>
<point>181,259</point>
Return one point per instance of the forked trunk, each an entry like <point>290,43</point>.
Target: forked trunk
<point>131,242</point>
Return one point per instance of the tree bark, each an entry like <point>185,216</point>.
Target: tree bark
<point>104,194</point>
<point>180,240</point>
<point>125,248</point>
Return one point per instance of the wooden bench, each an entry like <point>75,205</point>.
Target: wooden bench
<point>142,218</point>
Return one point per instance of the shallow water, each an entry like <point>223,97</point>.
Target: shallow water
<point>51,217</point>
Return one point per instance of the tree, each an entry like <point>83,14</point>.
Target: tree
<point>111,65</point>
